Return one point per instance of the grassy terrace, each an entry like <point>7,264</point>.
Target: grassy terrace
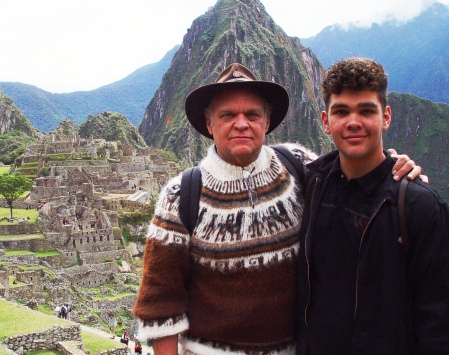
<point>16,319</point>
<point>4,169</point>
<point>19,213</point>
<point>96,344</point>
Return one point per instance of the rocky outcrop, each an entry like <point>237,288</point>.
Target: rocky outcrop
<point>236,31</point>
<point>12,119</point>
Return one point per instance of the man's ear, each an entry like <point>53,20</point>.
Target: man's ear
<point>386,118</point>
<point>267,123</point>
<point>209,124</point>
<point>325,120</point>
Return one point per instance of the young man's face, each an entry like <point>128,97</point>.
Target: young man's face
<point>238,124</point>
<point>355,120</point>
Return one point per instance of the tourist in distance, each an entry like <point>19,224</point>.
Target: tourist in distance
<point>230,286</point>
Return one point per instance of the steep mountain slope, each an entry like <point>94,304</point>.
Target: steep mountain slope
<point>128,96</point>
<point>420,128</point>
<point>415,54</point>
<point>236,31</point>
<point>16,131</point>
<point>11,118</point>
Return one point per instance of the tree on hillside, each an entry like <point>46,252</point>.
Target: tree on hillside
<point>12,186</point>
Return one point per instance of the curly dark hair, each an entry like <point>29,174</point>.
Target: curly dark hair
<point>357,74</point>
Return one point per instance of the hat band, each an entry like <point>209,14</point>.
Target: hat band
<point>236,80</point>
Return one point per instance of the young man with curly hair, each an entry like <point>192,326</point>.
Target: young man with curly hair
<point>361,290</point>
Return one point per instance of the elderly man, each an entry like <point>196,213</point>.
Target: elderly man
<point>230,286</point>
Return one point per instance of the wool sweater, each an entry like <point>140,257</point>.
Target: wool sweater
<point>230,288</point>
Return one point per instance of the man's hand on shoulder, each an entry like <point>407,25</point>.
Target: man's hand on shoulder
<point>406,166</point>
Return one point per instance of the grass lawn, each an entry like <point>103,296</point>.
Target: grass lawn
<point>96,344</point>
<point>16,319</point>
<point>17,252</point>
<point>4,169</point>
<point>12,279</point>
<point>47,253</point>
<point>19,213</point>
<point>45,308</point>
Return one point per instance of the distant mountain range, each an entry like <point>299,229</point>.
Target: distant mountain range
<point>128,96</point>
<point>242,31</point>
<point>415,54</point>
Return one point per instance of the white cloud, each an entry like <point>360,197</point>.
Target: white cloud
<point>69,45</point>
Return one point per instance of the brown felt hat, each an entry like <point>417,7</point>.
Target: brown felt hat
<point>233,77</point>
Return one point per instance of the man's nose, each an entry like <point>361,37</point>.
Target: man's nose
<point>241,122</point>
<point>353,121</point>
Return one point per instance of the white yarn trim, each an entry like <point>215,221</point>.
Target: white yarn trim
<point>251,262</point>
<point>160,331</point>
<point>167,236</point>
<point>190,347</point>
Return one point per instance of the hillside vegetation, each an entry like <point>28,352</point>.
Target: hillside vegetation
<point>111,126</point>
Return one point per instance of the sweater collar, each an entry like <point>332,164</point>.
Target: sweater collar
<point>222,170</point>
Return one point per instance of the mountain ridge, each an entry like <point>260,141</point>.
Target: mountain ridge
<point>129,96</point>
<point>236,31</point>
<point>415,54</point>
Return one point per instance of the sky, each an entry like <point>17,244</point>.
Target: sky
<point>78,45</point>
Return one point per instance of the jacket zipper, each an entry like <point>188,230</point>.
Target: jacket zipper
<point>360,249</point>
<point>305,251</point>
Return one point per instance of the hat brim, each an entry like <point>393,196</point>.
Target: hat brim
<point>198,100</point>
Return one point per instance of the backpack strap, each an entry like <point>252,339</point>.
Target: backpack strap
<point>402,219</point>
<point>189,199</point>
<point>290,162</point>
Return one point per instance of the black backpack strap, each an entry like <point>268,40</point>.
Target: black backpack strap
<point>291,163</point>
<point>189,199</point>
<point>402,219</point>
<point>309,183</point>
<point>191,186</point>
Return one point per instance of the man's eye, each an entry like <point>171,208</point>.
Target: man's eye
<point>253,116</point>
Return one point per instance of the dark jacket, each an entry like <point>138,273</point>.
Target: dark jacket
<point>402,299</point>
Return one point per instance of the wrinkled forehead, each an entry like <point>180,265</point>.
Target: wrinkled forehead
<point>227,96</point>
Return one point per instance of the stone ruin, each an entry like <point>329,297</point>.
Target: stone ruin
<point>78,201</point>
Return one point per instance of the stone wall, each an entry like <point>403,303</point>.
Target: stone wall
<point>80,163</point>
<point>91,278</point>
<point>125,302</point>
<point>99,257</point>
<point>19,228</point>
<point>27,259</point>
<point>4,284</point>
<point>44,192</point>
<point>45,340</point>
<point>23,293</point>
<point>67,258</point>
<point>25,244</point>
